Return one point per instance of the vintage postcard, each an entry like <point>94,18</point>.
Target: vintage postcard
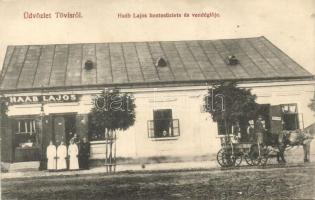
<point>139,99</point>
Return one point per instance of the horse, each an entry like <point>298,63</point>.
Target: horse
<point>293,138</point>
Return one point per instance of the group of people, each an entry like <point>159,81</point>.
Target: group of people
<point>74,157</point>
<point>254,132</point>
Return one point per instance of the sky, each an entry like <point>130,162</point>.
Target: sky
<point>289,24</point>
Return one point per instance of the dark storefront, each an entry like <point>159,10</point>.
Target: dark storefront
<point>28,136</point>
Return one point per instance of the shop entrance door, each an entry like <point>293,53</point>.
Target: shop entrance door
<point>64,127</point>
<point>59,129</point>
<point>70,127</point>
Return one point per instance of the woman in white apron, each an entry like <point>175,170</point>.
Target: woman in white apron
<point>73,152</point>
<point>51,156</point>
<point>61,156</point>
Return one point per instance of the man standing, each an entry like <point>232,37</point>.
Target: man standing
<point>251,131</point>
<point>84,154</point>
<point>307,139</point>
<point>259,130</point>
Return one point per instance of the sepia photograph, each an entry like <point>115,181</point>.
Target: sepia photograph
<point>157,99</point>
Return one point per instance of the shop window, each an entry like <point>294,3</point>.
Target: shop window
<point>290,117</point>
<point>163,124</point>
<point>26,135</point>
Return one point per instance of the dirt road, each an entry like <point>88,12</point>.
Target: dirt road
<point>272,183</point>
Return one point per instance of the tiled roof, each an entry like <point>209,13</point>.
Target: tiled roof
<point>128,63</point>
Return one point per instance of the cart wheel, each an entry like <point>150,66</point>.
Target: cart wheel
<point>220,158</point>
<point>225,158</point>
<point>248,160</point>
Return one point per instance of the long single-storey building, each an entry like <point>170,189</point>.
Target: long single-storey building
<point>50,91</point>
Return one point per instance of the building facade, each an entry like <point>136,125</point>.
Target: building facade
<point>51,90</point>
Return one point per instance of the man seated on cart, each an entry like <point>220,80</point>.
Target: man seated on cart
<point>251,132</point>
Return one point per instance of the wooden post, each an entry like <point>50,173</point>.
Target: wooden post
<point>115,152</point>
<point>42,164</point>
<point>106,152</point>
<point>110,151</point>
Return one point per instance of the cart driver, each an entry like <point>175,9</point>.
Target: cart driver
<point>259,130</point>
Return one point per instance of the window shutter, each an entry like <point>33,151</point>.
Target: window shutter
<point>151,129</point>
<point>275,119</point>
<point>176,127</point>
<point>301,121</point>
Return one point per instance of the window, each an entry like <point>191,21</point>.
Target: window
<point>163,124</point>
<point>290,117</point>
<point>26,126</point>
<point>88,65</point>
<point>160,62</point>
<point>26,135</point>
<point>232,60</point>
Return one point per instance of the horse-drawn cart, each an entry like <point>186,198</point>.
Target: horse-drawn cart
<point>234,152</point>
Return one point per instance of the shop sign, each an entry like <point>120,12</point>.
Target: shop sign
<point>275,118</point>
<point>58,98</point>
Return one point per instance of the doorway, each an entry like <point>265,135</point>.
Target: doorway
<point>64,126</point>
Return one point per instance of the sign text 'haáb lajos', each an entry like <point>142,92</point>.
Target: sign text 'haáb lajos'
<point>59,98</point>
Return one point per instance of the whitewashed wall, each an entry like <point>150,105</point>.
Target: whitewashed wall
<point>196,128</point>
<point>198,134</point>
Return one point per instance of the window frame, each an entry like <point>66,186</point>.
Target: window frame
<point>288,112</point>
<point>29,124</point>
<point>31,129</point>
<point>174,126</point>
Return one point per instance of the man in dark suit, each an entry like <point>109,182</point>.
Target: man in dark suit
<point>84,154</point>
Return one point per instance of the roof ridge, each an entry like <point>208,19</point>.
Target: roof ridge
<point>125,42</point>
